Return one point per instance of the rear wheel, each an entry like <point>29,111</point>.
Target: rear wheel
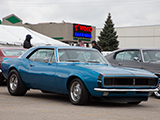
<point>1,79</point>
<point>78,92</point>
<point>15,84</point>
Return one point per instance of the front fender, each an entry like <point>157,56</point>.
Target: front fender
<point>89,80</point>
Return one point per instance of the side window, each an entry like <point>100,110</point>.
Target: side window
<point>119,56</point>
<point>158,55</point>
<point>62,55</point>
<point>130,55</point>
<point>32,57</point>
<point>42,54</point>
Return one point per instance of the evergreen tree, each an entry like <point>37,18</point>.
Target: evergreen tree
<point>108,38</point>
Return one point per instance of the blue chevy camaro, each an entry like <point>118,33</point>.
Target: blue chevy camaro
<point>78,72</point>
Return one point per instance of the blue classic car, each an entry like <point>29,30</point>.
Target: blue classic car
<point>78,72</point>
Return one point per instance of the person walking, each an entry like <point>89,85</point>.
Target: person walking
<point>96,46</point>
<point>27,43</point>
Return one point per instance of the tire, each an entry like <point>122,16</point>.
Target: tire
<point>15,85</point>
<point>1,80</point>
<point>78,93</point>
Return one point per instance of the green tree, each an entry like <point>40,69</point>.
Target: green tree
<point>108,38</point>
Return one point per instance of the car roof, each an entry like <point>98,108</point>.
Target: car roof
<point>6,48</point>
<point>74,47</point>
<point>64,47</point>
<point>55,47</point>
<point>137,49</point>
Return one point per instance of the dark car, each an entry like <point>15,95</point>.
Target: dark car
<point>9,52</point>
<point>79,72</point>
<point>147,59</point>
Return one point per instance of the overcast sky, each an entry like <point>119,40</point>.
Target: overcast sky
<point>90,12</point>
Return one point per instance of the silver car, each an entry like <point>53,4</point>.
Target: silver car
<point>147,59</point>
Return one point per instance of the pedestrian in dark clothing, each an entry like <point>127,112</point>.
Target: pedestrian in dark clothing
<point>87,45</point>
<point>94,45</point>
<point>27,43</point>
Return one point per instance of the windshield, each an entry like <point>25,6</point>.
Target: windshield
<point>80,55</point>
<point>13,52</point>
<point>151,55</point>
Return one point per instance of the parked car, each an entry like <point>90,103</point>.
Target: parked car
<point>78,72</point>
<point>9,52</point>
<point>104,53</point>
<point>147,59</point>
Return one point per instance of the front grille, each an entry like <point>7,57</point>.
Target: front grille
<point>113,81</point>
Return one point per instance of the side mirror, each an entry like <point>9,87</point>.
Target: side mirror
<point>45,60</point>
<point>136,59</point>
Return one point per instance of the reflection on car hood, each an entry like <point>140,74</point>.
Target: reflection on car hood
<point>109,70</point>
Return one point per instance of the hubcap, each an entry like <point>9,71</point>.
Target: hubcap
<point>76,91</point>
<point>13,82</point>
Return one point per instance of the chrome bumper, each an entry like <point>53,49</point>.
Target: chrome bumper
<point>126,90</point>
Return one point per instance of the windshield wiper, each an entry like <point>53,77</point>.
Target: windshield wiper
<point>72,60</point>
<point>93,61</point>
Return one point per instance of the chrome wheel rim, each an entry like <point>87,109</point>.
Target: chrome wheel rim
<point>76,91</point>
<point>13,82</point>
<point>158,92</point>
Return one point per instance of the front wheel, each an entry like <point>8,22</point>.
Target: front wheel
<point>78,92</point>
<point>15,84</point>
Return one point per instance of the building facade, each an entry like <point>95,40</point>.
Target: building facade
<point>128,37</point>
<point>138,36</point>
<point>66,32</point>
<point>11,20</point>
<point>70,33</point>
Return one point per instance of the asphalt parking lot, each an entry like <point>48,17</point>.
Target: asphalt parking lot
<point>36,105</point>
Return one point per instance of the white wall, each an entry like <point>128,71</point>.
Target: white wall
<point>140,36</point>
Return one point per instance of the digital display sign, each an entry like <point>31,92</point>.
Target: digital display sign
<point>82,31</point>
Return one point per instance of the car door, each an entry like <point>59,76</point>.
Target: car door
<point>42,69</point>
<point>129,58</point>
<point>151,61</point>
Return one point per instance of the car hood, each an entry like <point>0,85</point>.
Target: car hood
<point>120,71</point>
